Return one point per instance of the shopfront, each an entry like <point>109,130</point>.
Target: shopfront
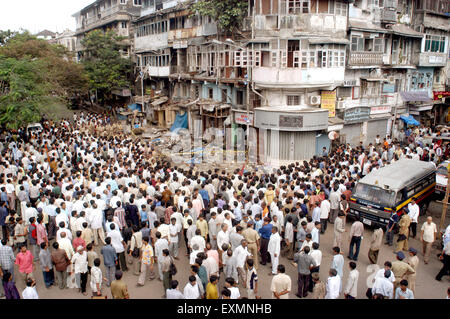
<point>289,134</point>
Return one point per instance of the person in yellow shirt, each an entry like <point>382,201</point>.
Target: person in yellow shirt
<point>202,224</point>
<point>211,288</point>
<point>269,195</point>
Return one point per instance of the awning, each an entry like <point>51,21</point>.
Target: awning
<point>374,79</point>
<point>365,26</point>
<point>159,101</point>
<point>328,40</point>
<point>401,29</point>
<point>420,108</point>
<point>415,96</point>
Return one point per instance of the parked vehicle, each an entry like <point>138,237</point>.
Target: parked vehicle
<point>387,190</point>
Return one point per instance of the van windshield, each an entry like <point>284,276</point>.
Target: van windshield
<point>374,194</point>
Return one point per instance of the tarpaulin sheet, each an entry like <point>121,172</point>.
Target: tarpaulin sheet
<point>134,107</point>
<point>410,120</point>
<point>181,121</point>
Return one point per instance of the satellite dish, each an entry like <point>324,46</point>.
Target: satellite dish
<point>333,135</point>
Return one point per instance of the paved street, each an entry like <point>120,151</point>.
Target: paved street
<point>426,286</point>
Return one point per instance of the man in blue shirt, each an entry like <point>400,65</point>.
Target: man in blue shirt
<point>265,232</point>
<point>109,259</point>
<point>3,215</point>
<point>205,196</point>
<point>390,229</point>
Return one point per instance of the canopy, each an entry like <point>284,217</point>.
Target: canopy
<point>409,120</point>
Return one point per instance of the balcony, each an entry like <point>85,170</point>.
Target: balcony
<point>365,58</point>
<point>433,59</point>
<point>102,15</point>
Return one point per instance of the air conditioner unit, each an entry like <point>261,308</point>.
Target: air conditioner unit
<point>314,100</point>
<point>340,105</point>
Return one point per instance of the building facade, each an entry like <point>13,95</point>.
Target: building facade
<point>296,70</point>
<point>106,15</point>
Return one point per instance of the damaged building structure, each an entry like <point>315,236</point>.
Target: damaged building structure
<point>296,71</point>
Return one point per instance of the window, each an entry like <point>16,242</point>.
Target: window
<point>341,9</point>
<point>123,1</point>
<point>366,44</point>
<point>124,25</point>
<point>197,91</point>
<point>224,95</point>
<point>239,97</point>
<point>210,93</point>
<point>293,100</point>
<point>434,43</point>
<point>370,88</point>
<point>344,92</point>
<point>356,92</point>
<point>298,6</point>
<point>357,43</point>
<point>137,2</point>
<point>378,45</point>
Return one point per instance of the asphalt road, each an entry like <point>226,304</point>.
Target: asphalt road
<point>426,286</point>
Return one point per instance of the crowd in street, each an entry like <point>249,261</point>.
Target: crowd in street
<point>80,207</point>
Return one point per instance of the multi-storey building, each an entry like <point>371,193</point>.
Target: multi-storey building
<point>296,70</point>
<point>107,15</point>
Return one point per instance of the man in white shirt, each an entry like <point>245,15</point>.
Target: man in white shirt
<point>223,238</point>
<point>174,230</point>
<point>66,244</point>
<point>273,248</point>
<point>427,237</point>
<point>241,253</point>
<point>198,240</point>
<point>351,289</point>
<point>383,286</point>
<point>160,245</point>
<point>191,290</point>
<point>315,235</point>
<point>333,285</point>
<point>324,213</point>
<point>30,291</point>
<point>119,245</point>
<point>414,212</point>
<point>96,221</point>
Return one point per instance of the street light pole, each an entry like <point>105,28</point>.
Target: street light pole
<point>142,84</point>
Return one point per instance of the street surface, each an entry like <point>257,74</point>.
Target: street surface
<point>426,286</point>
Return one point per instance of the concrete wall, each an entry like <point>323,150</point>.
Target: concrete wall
<point>151,42</point>
<point>298,76</point>
<point>159,71</point>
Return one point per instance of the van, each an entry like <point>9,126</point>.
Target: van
<point>387,190</point>
<point>34,127</point>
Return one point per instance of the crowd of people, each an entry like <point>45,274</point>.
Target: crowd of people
<point>84,206</point>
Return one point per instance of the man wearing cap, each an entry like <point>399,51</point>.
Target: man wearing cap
<point>402,241</point>
<point>400,269</point>
<point>252,238</point>
<point>427,236</point>
<point>413,261</point>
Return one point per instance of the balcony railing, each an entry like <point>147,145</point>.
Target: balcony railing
<point>365,58</point>
<point>102,15</point>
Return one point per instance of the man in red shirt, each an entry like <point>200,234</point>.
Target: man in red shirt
<point>78,241</point>
<point>24,260</point>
